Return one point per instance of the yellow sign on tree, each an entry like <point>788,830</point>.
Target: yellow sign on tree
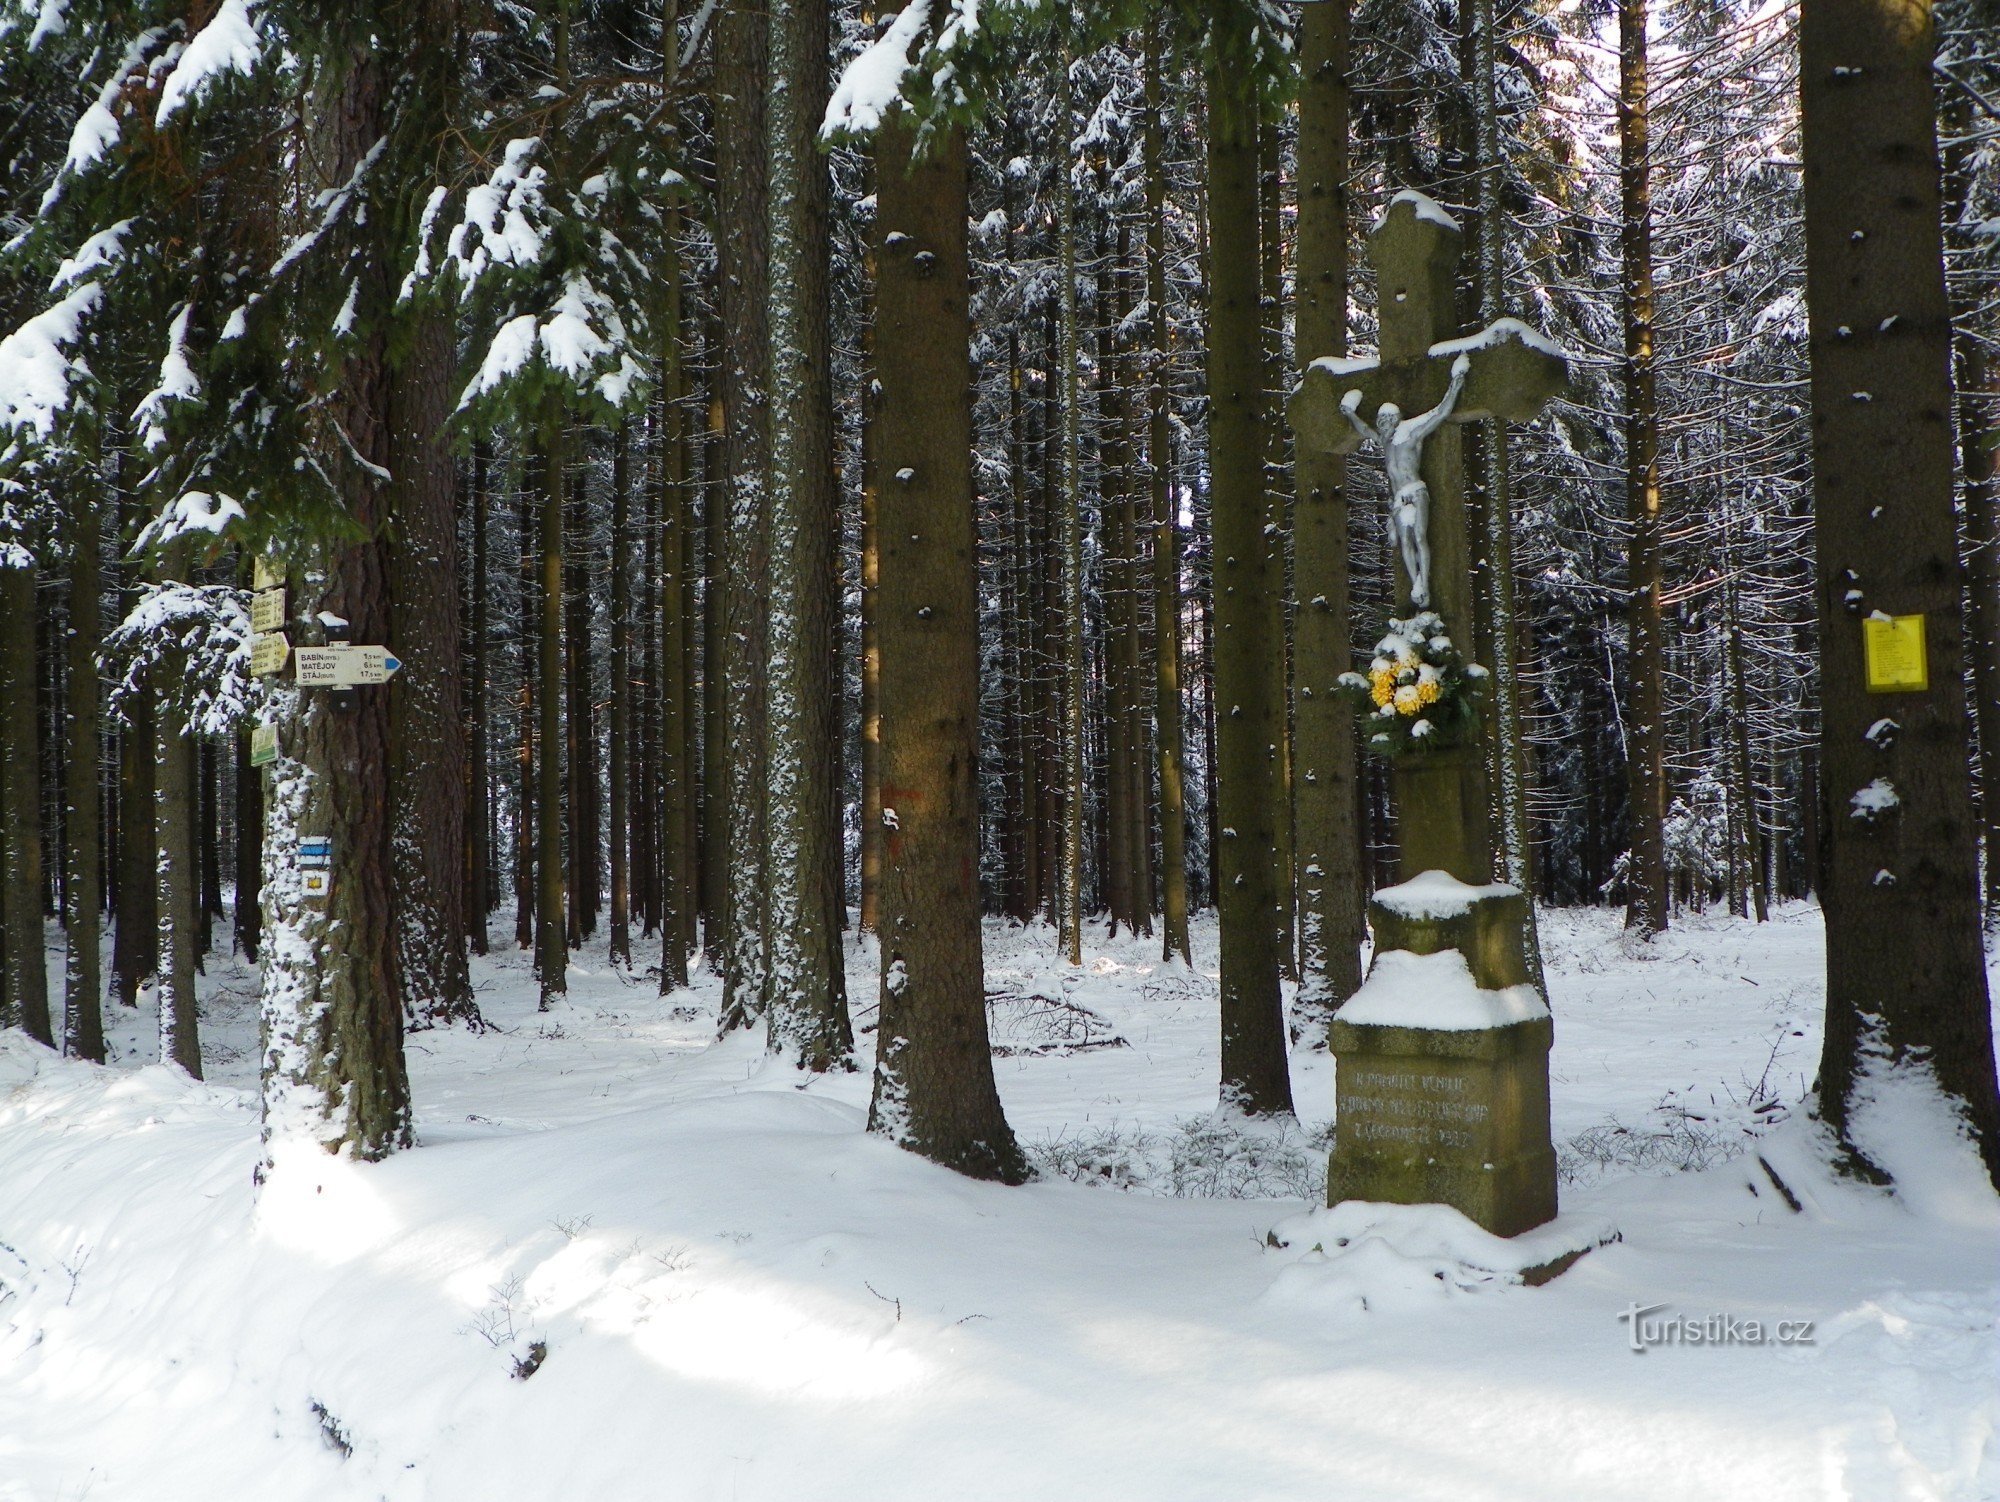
<point>1893,647</point>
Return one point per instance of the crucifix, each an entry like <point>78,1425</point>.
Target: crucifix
<point>1442,1055</point>
<point>1506,370</point>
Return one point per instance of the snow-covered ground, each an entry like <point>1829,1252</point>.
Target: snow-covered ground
<point>719,1286</point>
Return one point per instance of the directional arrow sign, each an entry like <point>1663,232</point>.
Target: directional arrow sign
<point>344,666</point>
<point>268,654</point>
<point>267,573</point>
<point>267,610</point>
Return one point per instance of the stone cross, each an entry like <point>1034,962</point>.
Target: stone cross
<point>1507,370</point>
<point>1442,1054</point>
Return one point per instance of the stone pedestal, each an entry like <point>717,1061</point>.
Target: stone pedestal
<point>1455,1113</point>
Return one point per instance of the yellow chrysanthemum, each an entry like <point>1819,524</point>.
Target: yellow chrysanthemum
<point>1407,700</point>
<point>1427,692</point>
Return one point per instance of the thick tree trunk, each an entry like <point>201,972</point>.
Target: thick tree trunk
<point>24,1002</point>
<point>1248,621</point>
<point>426,726</point>
<point>1906,975</point>
<point>135,940</point>
<point>1277,529</point>
<point>334,1071</point>
<point>1070,524</point>
<point>934,1090</point>
<point>675,817</point>
<point>551,932</point>
<point>249,905</point>
<point>871,652</point>
<point>174,862</point>
<point>580,717</point>
<point>741,85</point>
<point>1332,886</point>
<point>83,890</point>
<point>620,712</point>
<point>478,708</point>
<point>807,988</point>
<point>527,634</point>
<point>1167,532</point>
<point>1645,732</point>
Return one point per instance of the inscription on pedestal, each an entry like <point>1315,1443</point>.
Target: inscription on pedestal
<point>1422,1111</point>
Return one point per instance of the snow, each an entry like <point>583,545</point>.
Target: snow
<point>100,250</point>
<point>871,84</point>
<point>1435,991</point>
<point>742,1294</point>
<point>1438,894</point>
<point>1340,368</point>
<point>1497,333</point>
<point>1876,799</point>
<point>1427,208</point>
<point>36,369</point>
<point>229,43</point>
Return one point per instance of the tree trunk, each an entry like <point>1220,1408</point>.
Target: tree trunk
<point>620,726</point>
<point>174,829</point>
<point>249,906</point>
<point>551,932</point>
<point>675,817</point>
<point>426,727</point>
<point>83,985</point>
<point>135,942</point>
<point>1167,531</point>
<point>527,635</point>
<point>1332,887</point>
<point>580,718</point>
<point>1900,838</point>
<point>24,1003</point>
<point>1248,622</point>
<point>742,84</point>
<point>933,1090</point>
<point>334,1071</point>
<point>1645,734</point>
<point>807,998</point>
<point>479,731</point>
<point>1070,514</point>
<point>1277,531</point>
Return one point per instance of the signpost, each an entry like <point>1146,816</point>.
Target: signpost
<point>345,666</point>
<point>263,745</point>
<point>269,653</point>
<point>267,610</point>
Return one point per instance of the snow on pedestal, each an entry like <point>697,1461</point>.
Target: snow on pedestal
<point>1442,1061</point>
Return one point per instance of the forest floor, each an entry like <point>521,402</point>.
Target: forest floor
<point>719,1286</point>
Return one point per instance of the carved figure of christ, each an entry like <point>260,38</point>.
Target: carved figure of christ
<point>1505,370</point>
<point>1401,440</point>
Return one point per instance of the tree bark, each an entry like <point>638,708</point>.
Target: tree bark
<point>807,989</point>
<point>1332,885</point>
<point>478,709</point>
<point>620,710</point>
<point>1906,976</point>
<point>334,1071</point>
<point>24,1002</point>
<point>1645,733</point>
<point>741,85</point>
<point>934,1090</point>
<point>551,932</point>
<point>83,890</point>
<point>1070,514</point>
<point>1248,626</point>
<point>1167,531</point>
<point>426,725</point>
